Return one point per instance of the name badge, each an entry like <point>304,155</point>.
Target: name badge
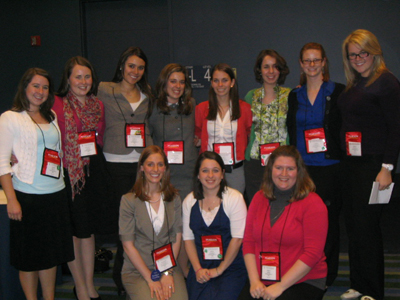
<point>174,152</point>
<point>135,135</point>
<point>270,266</point>
<point>226,151</point>
<point>212,247</point>
<point>353,143</point>
<point>164,258</point>
<point>87,143</point>
<point>315,140</point>
<point>51,165</point>
<point>265,152</point>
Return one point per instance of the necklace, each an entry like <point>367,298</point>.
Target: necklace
<point>209,206</point>
<point>154,201</point>
<point>278,214</point>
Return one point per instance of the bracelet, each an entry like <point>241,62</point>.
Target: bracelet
<point>199,269</point>
<point>216,269</point>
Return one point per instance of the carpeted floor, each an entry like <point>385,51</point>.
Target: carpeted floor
<point>107,290</point>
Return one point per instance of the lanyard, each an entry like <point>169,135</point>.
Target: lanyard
<point>44,140</point>
<point>284,225</point>
<point>120,109</point>
<point>152,222</point>
<point>278,98</point>
<point>230,122</point>
<point>181,128</point>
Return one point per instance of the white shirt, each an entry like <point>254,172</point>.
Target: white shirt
<point>156,218</point>
<point>222,131</point>
<point>233,205</point>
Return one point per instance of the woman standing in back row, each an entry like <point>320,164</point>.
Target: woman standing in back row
<point>126,100</point>
<point>223,124</point>
<point>269,105</point>
<point>370,108</point>
<point>313,123</point>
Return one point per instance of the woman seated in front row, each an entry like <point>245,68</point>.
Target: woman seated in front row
<point>285,234</point>
<point>150,228</point>
<point>214,218</point>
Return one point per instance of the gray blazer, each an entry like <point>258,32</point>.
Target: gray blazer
<point>115,103</point>
<point>135,225</point>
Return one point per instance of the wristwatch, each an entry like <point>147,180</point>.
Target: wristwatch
<point>169,272</point>
<point>389,167</point>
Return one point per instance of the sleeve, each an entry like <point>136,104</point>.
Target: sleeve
<point>59,111</point>
<point>186,210</point>
<point>249,241</point>
<point>249,97</point>
<point>248,120</point>
<point>127,218</point>
<point>6,144</point>
<point>198,121</point>
<point>235,209</point>
<point>390,103</point>
<point>291,118</point>
<point>177,227</point>
<point>101,127</point>
<point>315,228</point>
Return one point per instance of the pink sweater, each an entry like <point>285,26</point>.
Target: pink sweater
<point>303,237</point>
<point>243,130</point>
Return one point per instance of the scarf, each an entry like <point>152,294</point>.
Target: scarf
<point>89,116</point>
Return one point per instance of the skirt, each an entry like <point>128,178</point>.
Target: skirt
<point>93,210</point>
<point>43,239</point>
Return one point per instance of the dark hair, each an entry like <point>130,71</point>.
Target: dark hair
<point>185,107</point>
<point>167,189</point>
<point>119,71</point>
<point>197,185</point>
<point>368,42</point>
<point>280,65</point>
<point>233,94</point>
<point>69,65</point>
<point>21,102</point>
<point>304,184</point>
<point>325,69</point>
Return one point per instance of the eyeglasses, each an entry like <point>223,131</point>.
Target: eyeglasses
<point>362,54</point>
<point>316,61</point>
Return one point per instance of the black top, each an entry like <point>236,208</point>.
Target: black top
<point>375,112</point>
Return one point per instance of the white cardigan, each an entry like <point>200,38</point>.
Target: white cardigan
<point>18,136</point>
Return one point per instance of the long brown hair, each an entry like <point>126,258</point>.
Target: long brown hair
<point>21,102</point>
<point>119,71</point>
<point>368,42</point>
<point>304,184</point>
<point>233,94</point>
<point>140,187</point>
<point>185,107</point>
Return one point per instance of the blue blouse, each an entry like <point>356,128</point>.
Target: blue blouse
<point>309,117</point>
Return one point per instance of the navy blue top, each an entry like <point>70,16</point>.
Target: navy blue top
<point>230,283</point>
<point>309,117</point>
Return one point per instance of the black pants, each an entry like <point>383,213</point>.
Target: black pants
<point>366,257</point>
<point>253,172</point>
<point>328,183</point>
<point>300,291</point>
<point>123,176</point>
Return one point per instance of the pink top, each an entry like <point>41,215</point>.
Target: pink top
<point>243,128</point>
<point>59,110</point>
<point>304,224</point>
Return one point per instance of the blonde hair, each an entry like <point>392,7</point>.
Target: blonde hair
<point>368,42</point>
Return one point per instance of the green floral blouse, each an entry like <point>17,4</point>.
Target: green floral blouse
<point>269,120</point>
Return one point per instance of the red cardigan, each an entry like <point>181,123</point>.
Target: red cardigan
<point>303,237</point>
<point>243,128</point>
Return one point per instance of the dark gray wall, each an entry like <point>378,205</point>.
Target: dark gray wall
<point>56,21</point>
<point>189,32</point>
